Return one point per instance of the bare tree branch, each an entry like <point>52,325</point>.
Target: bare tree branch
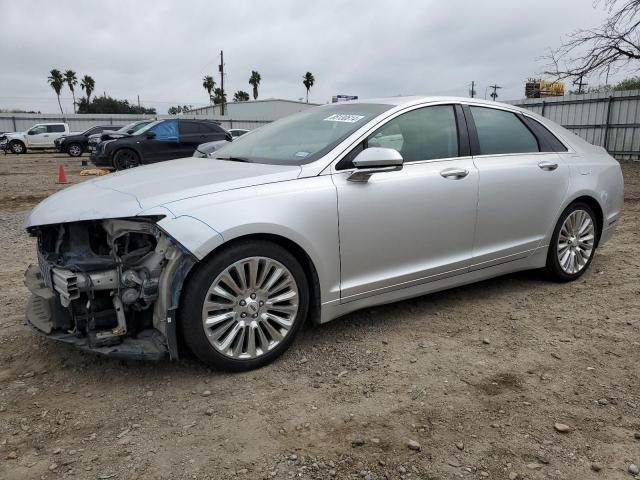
<point>612,45</point>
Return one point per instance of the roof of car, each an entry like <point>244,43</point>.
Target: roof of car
<point>415,100</point>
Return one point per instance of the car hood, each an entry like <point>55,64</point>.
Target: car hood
<point>131,192</point>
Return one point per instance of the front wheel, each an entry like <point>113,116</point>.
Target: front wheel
<point>74,150</point>
<point>573,243</point>
<point>243,307</point>
<point>17,147</point>
<point>125,158</point>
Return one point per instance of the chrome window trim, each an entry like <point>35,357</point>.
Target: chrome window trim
<point>361,136</point>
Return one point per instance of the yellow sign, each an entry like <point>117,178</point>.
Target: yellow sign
<point>551,89</point>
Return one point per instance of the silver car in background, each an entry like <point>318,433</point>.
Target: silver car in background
<point>336,208</point>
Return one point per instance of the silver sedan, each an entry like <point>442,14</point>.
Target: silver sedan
<point>337,208</point>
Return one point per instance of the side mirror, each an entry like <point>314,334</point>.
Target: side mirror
<point>375,160</point>
<point>228,137</point>
<point>150,135</point>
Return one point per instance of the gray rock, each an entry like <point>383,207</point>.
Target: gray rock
<point>636,435</point>
<point>596,467</point>
<point>358,442</point>
<point>413,445</point>
<point>534,466</point>
<point>633,469</point>
<point>460,445</point>
<point>562,428</point>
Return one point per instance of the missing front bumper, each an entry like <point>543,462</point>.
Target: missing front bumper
<point>148,344</point>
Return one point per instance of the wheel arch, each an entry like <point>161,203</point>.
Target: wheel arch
<point>591,200</point>
<point>292,247</point>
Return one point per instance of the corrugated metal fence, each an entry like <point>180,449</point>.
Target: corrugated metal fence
<point>610,120</point>
<point>19,122</point>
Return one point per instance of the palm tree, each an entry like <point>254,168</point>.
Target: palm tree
<point>208,83</point>
<point>72,81</point>
<point>88,84</point>
<point>56,80</point>
<point>219,96</point>
<point>254,81</point>
<point>241,96</point>
<point>308,81</point>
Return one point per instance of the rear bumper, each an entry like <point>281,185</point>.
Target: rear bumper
<point>41,315</point>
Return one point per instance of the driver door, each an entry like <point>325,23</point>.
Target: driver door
<point>37,136</point>
<point>415,225</point>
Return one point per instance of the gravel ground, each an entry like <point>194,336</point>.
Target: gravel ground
<point>514,377</point>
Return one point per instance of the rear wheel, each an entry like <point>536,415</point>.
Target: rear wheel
<point>74,150</point>
<point>243,307</point>
<point>573,243</point>
<point>17,147</point>
<point>125,158</point>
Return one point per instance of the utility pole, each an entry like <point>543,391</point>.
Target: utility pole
<point>221,69</point>
<point>138,101</point>
<point>581,84</point>
<point>472,92</point>
<point>494,94</point>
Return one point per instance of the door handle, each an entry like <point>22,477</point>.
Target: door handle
<point>547,165</point>
<point>454,173</point>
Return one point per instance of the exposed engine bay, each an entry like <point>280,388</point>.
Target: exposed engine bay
<point>110,286</point>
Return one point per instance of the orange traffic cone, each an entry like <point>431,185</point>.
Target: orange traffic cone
<point>62,178</point>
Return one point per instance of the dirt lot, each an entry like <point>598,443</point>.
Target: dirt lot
<point>478,376</point>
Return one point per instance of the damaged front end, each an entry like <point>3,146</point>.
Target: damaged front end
<point>109,286</point>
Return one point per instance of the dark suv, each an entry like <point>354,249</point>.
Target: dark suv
<point>76,145</point>
<point>159,141</point>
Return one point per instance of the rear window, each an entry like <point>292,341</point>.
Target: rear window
<point>501,132</point>
<point>55,128</point>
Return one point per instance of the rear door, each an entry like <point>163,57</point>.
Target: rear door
<point>522,185</point>
<point>192,134</point>
<point>53,132</point>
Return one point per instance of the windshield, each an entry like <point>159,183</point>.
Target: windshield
<point>301,138</point>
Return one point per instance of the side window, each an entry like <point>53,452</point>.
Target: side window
<point>548,141</point>
<point>423,134</point>
<point>189,128</point>
<point>501,132</point>
<point>55,128</point>
<point>166,131</point>
<point>38,129</point>
<point>209,128</point>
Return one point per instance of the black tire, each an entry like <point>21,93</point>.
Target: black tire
<point>553,267</point>
<point>125,158</point>
<point>75,150</point>
<point>195,292</point>
<point>17,147</point>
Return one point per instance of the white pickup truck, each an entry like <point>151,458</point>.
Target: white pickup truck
<point>39,136</point>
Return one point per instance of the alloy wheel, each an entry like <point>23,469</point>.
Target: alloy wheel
<point>575,241</point>
<point>75,150</point>
<point>17,147</point>
<point>250,307</point>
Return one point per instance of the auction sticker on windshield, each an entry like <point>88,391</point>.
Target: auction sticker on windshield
<point>343,117</point>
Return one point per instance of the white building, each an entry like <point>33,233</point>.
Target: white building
<point>254,110</point>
